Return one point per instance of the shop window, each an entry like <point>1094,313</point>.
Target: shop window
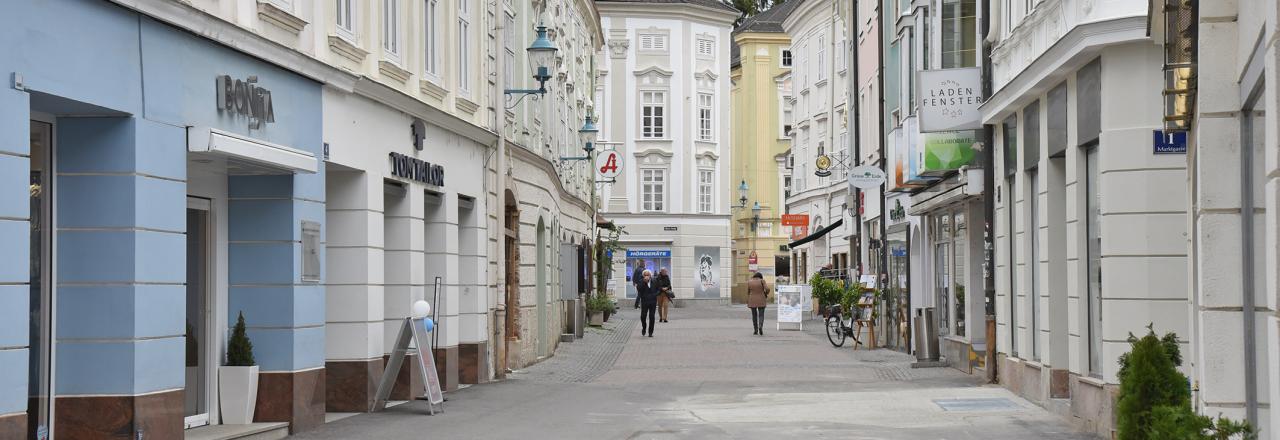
<point>959,272</point>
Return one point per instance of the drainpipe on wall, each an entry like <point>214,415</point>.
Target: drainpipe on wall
<point>499,209</point>
<point>988,203</point>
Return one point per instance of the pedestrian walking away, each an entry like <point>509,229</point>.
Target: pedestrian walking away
<point>665,295</point>
<point>647,293</point>
<point>757,297</point>
<point>635,280</point>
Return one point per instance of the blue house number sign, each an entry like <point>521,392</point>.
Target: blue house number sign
<point>1172,142</point>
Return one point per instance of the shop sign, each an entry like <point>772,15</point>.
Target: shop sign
<point>866,177</point>
<point>948,151</point>
<point>245,98</point>
<point>648,254</point>
<point>412,168</point>
<point>949,99</point>
<point>753,262</point>
<point>822,166</point>
<point>795,219</point>
<point>913,155</point>
<point>670,228</point>
<point>609,164</point>
<point>418,130</point>
<point>799,231</point>
<point>897,214</point>
<point>1169,142</point>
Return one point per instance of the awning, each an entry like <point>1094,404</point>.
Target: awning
<point>816,235</point>
<point>271,158</point>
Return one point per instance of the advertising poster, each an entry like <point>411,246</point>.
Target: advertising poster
<point>654,260</point>
<point>706,280</point>
<point>914,154</point>
<point>947,151</point>
<point>791,301</point>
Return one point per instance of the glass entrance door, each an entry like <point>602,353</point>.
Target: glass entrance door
<point>39,380</point>
<point>197,334</point>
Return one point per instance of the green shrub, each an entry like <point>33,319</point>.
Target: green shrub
<point>1155,400</point>
<point>827,292</point>
<point>599,303</point>
<point>239,349</point>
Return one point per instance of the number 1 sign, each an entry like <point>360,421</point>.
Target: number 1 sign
<point>609,164</point>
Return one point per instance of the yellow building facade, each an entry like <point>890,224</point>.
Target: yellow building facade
<point>760,74</point>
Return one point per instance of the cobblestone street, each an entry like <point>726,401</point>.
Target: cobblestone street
<point>703,375</point>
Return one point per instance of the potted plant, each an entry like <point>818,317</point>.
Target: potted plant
<point>238,379</point>
<point>609,308</point>
<point>596,306</point>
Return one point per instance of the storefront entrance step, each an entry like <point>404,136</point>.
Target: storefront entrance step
<point>252,431</point>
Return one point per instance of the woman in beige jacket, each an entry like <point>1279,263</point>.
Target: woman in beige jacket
<point>757,296</point>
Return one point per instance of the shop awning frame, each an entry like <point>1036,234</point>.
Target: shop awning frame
<point>816,235</point>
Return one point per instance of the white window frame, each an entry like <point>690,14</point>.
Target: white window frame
<point>653,189</point>
<point>706,195</point>
<point>431,39</point>
<point>464,47</point>
<point>651,42</point>
<point>648,130</point>
<point>510,50</point>
<point>822,57</point>
<point>346,29</point>
<point>286,5</point>
<point>706,120</point>
<point>785,57</point>
<point>391,44</point>
<point>706,47</point>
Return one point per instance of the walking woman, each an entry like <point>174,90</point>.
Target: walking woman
<point>647,295</point>
<point>664,294</point>
<point>757,295</point>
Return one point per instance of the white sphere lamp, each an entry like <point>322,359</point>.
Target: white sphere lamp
<point>421,309</point>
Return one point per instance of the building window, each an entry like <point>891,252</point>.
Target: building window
<point>706,47</point>
<point>286,5</point>
<point>765,229</point>
<point>959,33</point>
<point>391,28</point>
<point>1093,215</point>
<point>704,117</point>
<point>653,115</point>
<point>705,179</point>
<point>653,189</point>
<point>959,272</point>
<point>943,274</point>
<point>431,37</point>
<point>786,187</point>
<point>345,19</point>
<point>1034,260</point>
<point>653,42</point>
<point>464,46</point>
<point>786,57</point>
<point>822,57</point>
<point>509,51</point>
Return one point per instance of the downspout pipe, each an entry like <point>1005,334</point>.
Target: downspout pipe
<point>855,147</point>
<point>884,141</point>
<point>1247,267</point>
<point>988,199</point>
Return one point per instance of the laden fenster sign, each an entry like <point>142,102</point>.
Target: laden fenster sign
<point>949,99</point>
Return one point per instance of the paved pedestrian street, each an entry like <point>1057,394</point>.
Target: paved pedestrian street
<point>705,376</point>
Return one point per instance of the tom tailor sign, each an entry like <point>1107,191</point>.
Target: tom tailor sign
<point>949,99</point>
<point>412,168</point>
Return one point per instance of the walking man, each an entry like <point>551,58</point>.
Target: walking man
<point>636,276</point>
<point>647,295</point>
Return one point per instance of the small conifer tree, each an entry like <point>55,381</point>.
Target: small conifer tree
<point>239,349</point>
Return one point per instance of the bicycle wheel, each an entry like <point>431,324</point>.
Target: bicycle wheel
<point>835,332</point>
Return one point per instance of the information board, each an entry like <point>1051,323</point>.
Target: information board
<point>792,299</point>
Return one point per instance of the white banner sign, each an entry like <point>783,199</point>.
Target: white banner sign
<point>791,302</point>
<point>949,99</point>
<point>866,177</point>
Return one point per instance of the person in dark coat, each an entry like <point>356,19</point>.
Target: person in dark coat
<point>664,294</point>
<point>647,293</point>
<point>757,297</point>
<point>636,276</point>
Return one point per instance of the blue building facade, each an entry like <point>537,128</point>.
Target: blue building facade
<point>153,186</point>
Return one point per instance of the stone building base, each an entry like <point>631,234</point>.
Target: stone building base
<point>1085,402</point>
<point>408,381</point>
<point>350,386</point>
<point>447,367</point>
<point>296,397</point>
<point>155,415</point>
<point>13,425</point>
<point>473,365</point>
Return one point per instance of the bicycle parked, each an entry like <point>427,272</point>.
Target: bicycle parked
<point>838,328</point>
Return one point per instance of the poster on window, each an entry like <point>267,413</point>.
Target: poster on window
<point>791,302</point>
<point>640,260</point>
<point>706,280</point>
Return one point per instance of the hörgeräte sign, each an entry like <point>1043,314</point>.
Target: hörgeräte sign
<point>949,99</point>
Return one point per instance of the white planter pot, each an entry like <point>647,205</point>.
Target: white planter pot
<point>237,394</point>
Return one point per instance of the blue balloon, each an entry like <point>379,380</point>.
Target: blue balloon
<point>429,324</point>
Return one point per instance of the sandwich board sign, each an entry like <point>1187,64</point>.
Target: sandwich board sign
<point>415,330</point>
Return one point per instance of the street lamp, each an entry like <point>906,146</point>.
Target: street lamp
<point>742,194</point>
<point>587,134</point>
<point>541,53</point>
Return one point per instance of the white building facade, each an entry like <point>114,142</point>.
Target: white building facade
<point>1089,222</point>
<point>820,128</point>
<point>663,100</point>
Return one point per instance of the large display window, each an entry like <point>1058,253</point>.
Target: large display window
<point>652,259</point>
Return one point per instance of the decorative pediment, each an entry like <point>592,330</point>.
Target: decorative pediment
<point>653,156</point>
<point>705,80</point>
<point>655,71</point>
<point>654,76</point>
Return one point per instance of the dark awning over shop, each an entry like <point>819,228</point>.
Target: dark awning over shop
<point>816,235</point>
